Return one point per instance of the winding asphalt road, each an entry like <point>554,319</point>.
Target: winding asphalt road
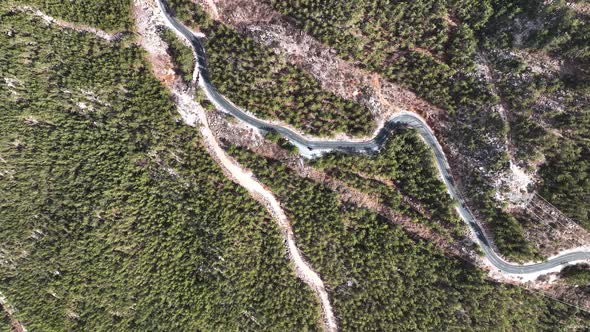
<point>403,118</point>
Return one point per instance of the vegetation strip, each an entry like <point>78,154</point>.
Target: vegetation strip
<point>405,118</point>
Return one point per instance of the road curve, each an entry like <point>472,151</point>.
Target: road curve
<point>402,118</point>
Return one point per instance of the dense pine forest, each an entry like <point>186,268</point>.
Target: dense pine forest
<point>181,55</point>
<point>109,15</point>
<point>112,215</point>
<point>379,277</point>
<point>438,48</point>
<point>262,82</point>
<point>5,323</point>
<point>408,163</point>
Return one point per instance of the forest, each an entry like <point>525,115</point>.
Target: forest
<point>181,55</point>
<point>408,163</point>
<point>557,136</point>
<point>371,266</point>
<point>108,15</point>
<point>261,82</point>
<point>5,322</point>
<point>437,49</point>
<point>551,109</point>
<point>112,215</point>
<point>576,274</point>
<point>470,128</point>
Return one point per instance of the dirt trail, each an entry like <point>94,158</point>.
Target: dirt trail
<point>77,27</point>
<point>148,17</point>
<point>239,135</point>
<point>246,180</point>
<point>16,325</point>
